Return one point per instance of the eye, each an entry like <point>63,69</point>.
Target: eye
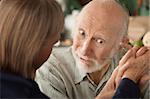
<point>82,33</point>
<point>100,41</point>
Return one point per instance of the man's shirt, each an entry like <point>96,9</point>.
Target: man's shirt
<point>60,78</point>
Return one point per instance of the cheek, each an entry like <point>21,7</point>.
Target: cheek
<point>102,54</point>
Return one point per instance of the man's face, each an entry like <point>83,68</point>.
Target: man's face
<point>95,42</point>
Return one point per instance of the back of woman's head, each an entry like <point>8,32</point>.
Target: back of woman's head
<point>24,27</point>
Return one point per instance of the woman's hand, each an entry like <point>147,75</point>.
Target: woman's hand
<point>134,65</point>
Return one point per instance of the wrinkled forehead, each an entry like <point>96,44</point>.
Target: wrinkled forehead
<point>101,6</point>
<point>106,16</point>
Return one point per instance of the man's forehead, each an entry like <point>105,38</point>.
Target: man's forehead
<point>98,23</point>
<point>97,8</point>
<point>101,20</point>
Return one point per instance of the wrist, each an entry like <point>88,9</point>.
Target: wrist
<point>131,78</point>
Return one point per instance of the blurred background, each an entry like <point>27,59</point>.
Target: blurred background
<point>139,25</point>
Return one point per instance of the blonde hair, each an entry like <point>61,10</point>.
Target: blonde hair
<point>24,27</point>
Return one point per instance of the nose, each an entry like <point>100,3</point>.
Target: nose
<point>86,48</point>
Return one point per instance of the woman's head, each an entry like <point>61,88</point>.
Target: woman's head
<point>28,28</point>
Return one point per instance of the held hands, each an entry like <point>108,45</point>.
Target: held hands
<point>134,65</point>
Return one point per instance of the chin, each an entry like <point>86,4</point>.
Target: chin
<point>93,67</point>
<point>88,68</point>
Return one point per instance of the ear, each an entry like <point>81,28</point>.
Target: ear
<point>124,44</point>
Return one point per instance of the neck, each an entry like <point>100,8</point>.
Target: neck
<point>97,76</point>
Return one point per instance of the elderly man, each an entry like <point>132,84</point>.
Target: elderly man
<point>82,71</point>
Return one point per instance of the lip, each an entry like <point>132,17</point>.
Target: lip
<point>85,61</point>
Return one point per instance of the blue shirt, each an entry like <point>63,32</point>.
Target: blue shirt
<point>127,89</point>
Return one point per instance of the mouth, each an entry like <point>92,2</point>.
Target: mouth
<point>85,61</point>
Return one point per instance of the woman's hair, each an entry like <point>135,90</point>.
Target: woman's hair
<point>24,27</point>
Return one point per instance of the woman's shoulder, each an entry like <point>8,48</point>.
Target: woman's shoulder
<point>15,86</point>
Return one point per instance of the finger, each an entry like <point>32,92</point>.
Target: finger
<point>134,50</point>
<point>120,73</point>
<point>130,53</point>
<point>125,58</point>
<point>141,51</point>
<point>117,81</point>
<point>111,81</point>
<point>145,59</point>
<point>113,76</point>
<point>111,85</point>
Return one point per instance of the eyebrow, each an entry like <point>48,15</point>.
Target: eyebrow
<point>81,29</point>
<point>101,36</point>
